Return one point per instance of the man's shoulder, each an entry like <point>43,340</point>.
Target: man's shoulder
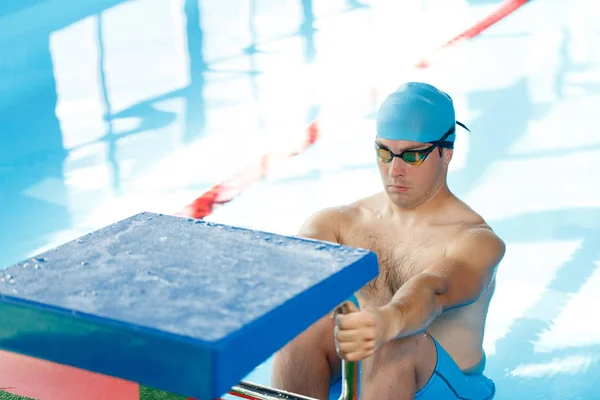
<point>334,214</point>
<point>325,223</point>
<point>339,216</point>
<point>474,231</point>
<point>476,242</point>
<point>348,210</point>
<point>468,218</point>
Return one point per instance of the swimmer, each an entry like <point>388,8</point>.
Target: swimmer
<point>418,328</point>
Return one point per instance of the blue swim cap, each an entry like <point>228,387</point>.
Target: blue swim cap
<point>417,112</point>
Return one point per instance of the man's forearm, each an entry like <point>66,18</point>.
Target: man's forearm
<point>414,306</point>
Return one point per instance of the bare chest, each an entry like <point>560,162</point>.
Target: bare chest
<point>400,258</point>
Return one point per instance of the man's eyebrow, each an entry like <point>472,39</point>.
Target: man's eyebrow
<point>383,146</point>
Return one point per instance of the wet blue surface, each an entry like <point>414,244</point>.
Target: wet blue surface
<point>156,292</point>
<point>107,113</point>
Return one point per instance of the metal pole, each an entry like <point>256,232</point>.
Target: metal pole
<point>253,391</point>
<point>350,370</point>
<point>349,381</point>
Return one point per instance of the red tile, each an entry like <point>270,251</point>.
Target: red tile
<point>44,380</point>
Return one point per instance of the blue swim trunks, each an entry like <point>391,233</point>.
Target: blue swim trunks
<point>447,382</point>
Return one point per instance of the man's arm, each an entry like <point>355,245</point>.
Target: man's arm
<point>323,225</point>
<point>457,280</point>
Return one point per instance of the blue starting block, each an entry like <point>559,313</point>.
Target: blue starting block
<point>181,305</point>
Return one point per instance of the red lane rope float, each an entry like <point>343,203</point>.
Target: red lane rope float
<point>505,9</point>
<point>229,189</point>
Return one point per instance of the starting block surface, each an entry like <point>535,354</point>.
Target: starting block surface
<point>182,305</point>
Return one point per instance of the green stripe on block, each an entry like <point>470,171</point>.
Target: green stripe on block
<point>146,393</point>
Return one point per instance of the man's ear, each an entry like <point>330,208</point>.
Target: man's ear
<point>447,155</point>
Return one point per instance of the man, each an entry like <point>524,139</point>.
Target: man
<point>418,331</point>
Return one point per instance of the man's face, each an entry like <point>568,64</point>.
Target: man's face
<point>410,185</point>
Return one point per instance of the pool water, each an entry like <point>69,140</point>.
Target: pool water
<point>105,113</point>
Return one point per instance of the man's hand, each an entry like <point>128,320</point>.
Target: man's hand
<point>359,333</point>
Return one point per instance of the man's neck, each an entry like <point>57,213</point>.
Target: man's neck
<point>422,213</point>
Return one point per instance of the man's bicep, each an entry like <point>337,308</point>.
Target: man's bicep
<point>469,267</point>
<point>482,250</point>
<point>322,225</point>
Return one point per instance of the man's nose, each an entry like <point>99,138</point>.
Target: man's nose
<point>398,167</point>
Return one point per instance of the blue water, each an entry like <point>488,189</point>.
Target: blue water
<point>108,108</point>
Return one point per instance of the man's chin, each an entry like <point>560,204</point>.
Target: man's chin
<point>404,200</point>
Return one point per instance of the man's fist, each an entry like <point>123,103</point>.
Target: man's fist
<point>358,333</point>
